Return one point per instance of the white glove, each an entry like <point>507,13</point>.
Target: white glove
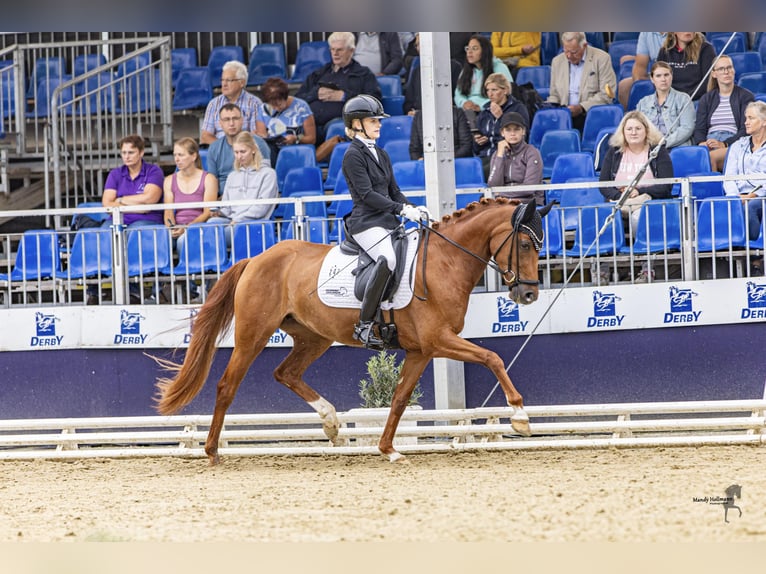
<point>410,212</point>
<point>424,213</point>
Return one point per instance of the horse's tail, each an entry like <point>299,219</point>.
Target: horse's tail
<point>214,319</point>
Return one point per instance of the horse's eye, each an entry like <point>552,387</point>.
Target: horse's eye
<point>527,245</point>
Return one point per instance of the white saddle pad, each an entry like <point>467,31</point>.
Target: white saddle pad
<point>336,283</point>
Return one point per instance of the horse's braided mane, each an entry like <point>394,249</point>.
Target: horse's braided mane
<point>473,207</point>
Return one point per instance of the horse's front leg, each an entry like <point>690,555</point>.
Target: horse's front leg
<point>414,364</point>
<point>451,346</point>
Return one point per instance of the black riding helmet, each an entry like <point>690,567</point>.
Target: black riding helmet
<point>360,107</point>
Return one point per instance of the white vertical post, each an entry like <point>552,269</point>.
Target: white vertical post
<point>439,157</point>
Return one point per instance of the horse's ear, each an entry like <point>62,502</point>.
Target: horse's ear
<point>527,211</point>
<point>543,211</point>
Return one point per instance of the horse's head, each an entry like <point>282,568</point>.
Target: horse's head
<point>517,251</point>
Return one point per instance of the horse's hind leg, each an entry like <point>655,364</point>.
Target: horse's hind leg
<point>307,348</point>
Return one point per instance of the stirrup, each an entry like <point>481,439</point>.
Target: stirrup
<point>364,333</point>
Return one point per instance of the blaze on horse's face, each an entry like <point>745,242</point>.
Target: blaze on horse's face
<point>520,255</point>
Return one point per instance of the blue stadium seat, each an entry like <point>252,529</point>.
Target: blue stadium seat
<point>601,147</point>
<point>86,62</point>
<point>334,128</point>
<point>393,105</point>
<point>204,250</point>
<point>193,89</point>
<point>468,174</point>
<point>181,59</point>
<point>310,56</point>
<point>540,76</point>
<point>37,257</point>
<point>99,91</point>
<point>148,251</point>
<point>317,229</point>
<point>334,167</point>
<point>658,229</point>
<point>754,81</point>
<point>745,63</point>
<point>410,175</point>
<point>573,200</point>
<point>549,47</point>
<point>720,225</point>
<point>548,119</point>
<point>622,36</point>
<point>290,157</point>
<point>139,92</point>
<point>7,89</point>
<point>395,128</point>
<point>251,238</point>
<point>45,69</point>
<point>598,117</point>
<point>705,189</point>
<point>219,55</point>
<point>90,254</point>
<point>397,150</point>
<point>719,39</point>
<point>266,61</point>
<point>45,89</point>
<point>686,160</point>
<point>299,180</point>
<point>139,62</point>
<point>556,142</point>
<point>567,167</point>
<point>638,90</point>
<point>553,237</point>
<point>390,85</point>
<point>585,242</point>
<point>595,39</point>
<point>619,49</point>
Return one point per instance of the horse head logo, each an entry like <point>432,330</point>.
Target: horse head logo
<point>46,324</point>
<point>603,303</point>
<point>756,295</point>
<point>130,322</point>
<point>681,297</point>
<point>507,310</point>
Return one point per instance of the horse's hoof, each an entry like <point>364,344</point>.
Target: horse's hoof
<point>398,458</point>
<point>214,459</point>
<point>521,426</point>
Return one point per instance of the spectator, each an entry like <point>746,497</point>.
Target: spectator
<point>721,112</point>
<point>581,77</point>
<point>470,94</point>
<point>690,56</point>
<point>327,88</point>
<point>664,107</point>
<point>461,135</point>
<point>515,162</point>
<point>647,48</point>
<point>500,102</point>
<point>457,44</point>
<point>381,52</point>
<point>412,93</point>
<point>517,49</point>
<point>233,82</point>
<point>285,119</point>
<point>188,184</point>
<point>377,203</point>
<point>135,182</point>
<point>630,146</point>
<point>250,179</point>
<point>747,155</point>
<point>220,155</point>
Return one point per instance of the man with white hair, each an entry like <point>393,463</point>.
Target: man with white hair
<point>233,82</point>
<point>329,87</point>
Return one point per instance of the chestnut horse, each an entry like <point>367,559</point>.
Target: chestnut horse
<point>278,289</point>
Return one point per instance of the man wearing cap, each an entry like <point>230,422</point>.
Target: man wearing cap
<point>516,162</point>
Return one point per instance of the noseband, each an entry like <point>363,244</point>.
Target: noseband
<point>534,229</point>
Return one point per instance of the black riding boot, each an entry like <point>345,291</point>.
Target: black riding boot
<point>373,293</point>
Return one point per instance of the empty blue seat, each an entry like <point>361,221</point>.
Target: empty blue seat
<point>553,237</point>
<point>468,174</point>
<point>90,254</point>
<point>251,238</point>
<point>745,63</point>
<point>719,39</point>
<point>45,69</point>
<point>720,225</point>
<point>7,90</point>
<point>299,180</point>
<point>688,159</point>
<point>638,90</point>
<point>621,36</point>
<point>572,200</point>
<point>754,81</point>
<point>658,229</point>
<point>99,93</point>
<point>395,128</point>
<point>619,49</point>
<point>318,231</point>
<point>139,92</point>
<point>310,56</point>
<point>705,189</point>
<point>390,85</point>
<point>567,167</point>
<point>598,117</point>
<point>393,105</point>
<point>540,76</point>
<point>587,241</point>
<point>139,62</point>
<point>555,143</point>
<point>181,59</point>
<point>548,119</point>
<point>290,157</point>
<point>595,39</point>
<point>204,250</point>
<point>37,257</point>
<point>410,175</point>
<point>86,62</point>
<point>148,250</point>
<point>601,147</point>
<point>549,47</point>
<point>266,61</point>
<point>334,128</point>
<point>341,188</point>
<point>219,55</point>
<point>336,161</point>
<point>45,89</point>
<point>398,150</point>
<point>192,89</point>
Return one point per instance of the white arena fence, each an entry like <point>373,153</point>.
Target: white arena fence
<point>623,425</point>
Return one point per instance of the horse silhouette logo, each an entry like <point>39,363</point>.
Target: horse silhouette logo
<point>130,323</point>
<point>507,310</point>
<point>734,491</point>
<point>45,324</point>
<point>604,304</point>
<point>681,300</point>
<point>756,296</point>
